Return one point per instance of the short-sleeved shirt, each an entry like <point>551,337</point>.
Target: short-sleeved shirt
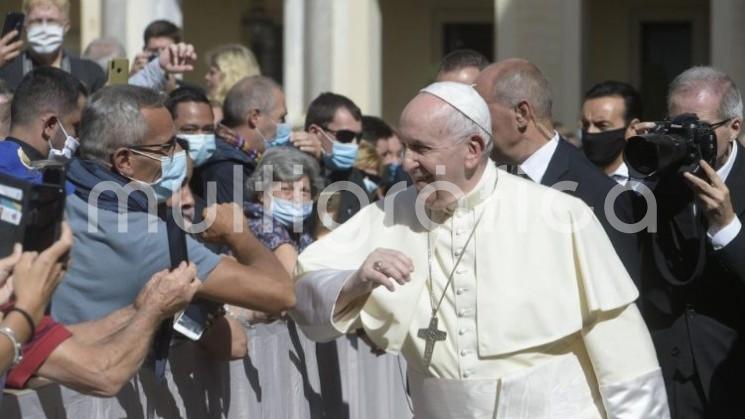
<point>49,335</point>
<point>109,267</point>
<point>275,234</point>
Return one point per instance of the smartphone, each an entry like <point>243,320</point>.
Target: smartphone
<point>118,71</point>
<point>193,321</point>
<point>13,20</point>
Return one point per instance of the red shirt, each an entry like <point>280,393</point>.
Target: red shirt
<point>49,335</point>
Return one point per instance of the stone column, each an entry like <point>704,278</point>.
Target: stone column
<point>90,21</point>
<point>728,37</point>
<point>549,34</point>
<point>332,45</point>
<point>126,20</point>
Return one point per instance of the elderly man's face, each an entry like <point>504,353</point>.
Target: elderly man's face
<point>267,123</point>
<point>432,154</point>
<point>705,104</point>
<point>159,142</point>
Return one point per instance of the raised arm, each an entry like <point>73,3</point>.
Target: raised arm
<point>255,279</point>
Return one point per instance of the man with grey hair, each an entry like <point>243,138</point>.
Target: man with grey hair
<point>254,114</point>
<point>693,284</point>
<point>520,100</point>
<point>495,317</point>
<point>130,161</point>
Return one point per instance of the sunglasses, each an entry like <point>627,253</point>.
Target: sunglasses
<point>344,135</point>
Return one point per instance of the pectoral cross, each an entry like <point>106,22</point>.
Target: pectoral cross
<point>431,335</point>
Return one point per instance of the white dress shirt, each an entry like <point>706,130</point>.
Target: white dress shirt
<point>621,174</point>
<point>535,166</point>
<point>723,236</point>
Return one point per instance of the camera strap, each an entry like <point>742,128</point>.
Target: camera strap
<point>662,265</point>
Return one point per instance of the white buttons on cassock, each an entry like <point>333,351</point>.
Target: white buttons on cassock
<point>462,332</point>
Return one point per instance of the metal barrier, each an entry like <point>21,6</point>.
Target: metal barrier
<point>285,376</point>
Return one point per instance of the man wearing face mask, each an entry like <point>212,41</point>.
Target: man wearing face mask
<point>520,102</point>
<point>45,114</point>
<point>337,121</point>
<point>47,22</point>
<point>128,141</point>
<point>610,114</point>
<point>254,114</point>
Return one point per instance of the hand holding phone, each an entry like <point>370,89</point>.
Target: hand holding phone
<point>10,40</point>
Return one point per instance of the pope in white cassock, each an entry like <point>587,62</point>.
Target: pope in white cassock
<point>505,297</point>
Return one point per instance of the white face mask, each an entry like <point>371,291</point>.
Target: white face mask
<point>68,150</point>
<point>45,38</point>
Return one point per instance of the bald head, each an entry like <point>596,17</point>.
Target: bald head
<point>515,80</point>
<point>255,92</point>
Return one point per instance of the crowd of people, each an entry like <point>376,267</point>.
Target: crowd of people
<point>473,239</point>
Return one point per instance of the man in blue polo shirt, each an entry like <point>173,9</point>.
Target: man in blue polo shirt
<point>45,115</point>
<point>128,143</point>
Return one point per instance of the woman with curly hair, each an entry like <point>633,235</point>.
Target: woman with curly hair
<point>228,64</point>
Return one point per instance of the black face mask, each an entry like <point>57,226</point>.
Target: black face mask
<point>602,148</point>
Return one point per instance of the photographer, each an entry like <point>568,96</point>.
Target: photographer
<point>693,277</point>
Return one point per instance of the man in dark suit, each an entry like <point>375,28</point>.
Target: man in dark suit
<point>519,99</point>
<point>694,273</point>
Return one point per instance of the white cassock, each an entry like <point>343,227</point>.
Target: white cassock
<point>540,320</point>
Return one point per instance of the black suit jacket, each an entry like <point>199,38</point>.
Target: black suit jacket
<point>592,186</point>
<point>88,72</point>
<point>698,324</point>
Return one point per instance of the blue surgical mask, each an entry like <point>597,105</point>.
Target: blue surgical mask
<point>68,149</point>
<point>173,173</point>
<point>392,170</point>
<point>342,156</point>
<point>370,185</point>
<point>288,213</point>
<point>281,138</point>
<point>201,147</point>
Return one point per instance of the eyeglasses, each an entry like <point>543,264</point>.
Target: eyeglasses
<point>344,135</point>
<point>164,149</point>
<point>716,125</point>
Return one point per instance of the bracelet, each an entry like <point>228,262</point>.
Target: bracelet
<point>8,333</point>
<point>28,318</point>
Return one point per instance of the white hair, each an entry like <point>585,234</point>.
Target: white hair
<point>708,78</point>
<point>460,127</point>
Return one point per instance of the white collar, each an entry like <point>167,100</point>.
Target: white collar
<point>535,166</point>
<point>621,175</point>
<point>723,171</point>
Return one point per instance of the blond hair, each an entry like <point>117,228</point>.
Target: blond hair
<point>368,158</point>
<point>62,5</point>
<point>235,62</point>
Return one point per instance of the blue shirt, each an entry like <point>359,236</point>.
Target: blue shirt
<point>15,156</point>
<point>108,267</point>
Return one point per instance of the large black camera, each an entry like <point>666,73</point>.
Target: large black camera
<point>31,213</point>
<point>674,146</point>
